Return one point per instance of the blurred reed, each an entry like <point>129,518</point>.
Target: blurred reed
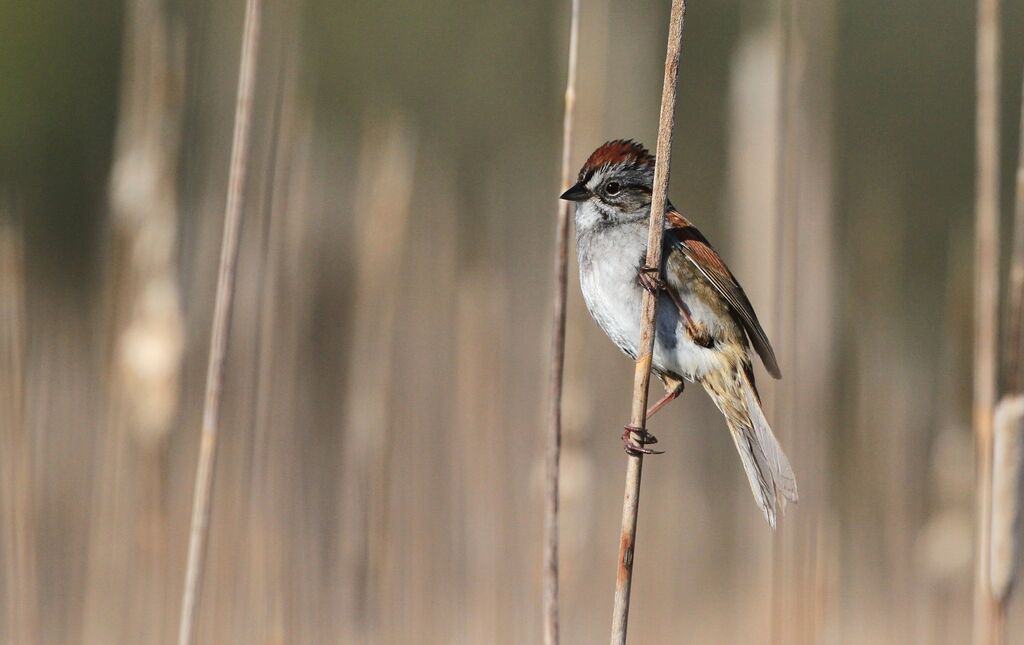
<point>753,183</point>
<point>1008,426</point>
<point>557,368</point>
<point>384,175</point>
<point>18,537</point>
<point>203,495</point>
<point>802,402</point>
<point>144,325</point>
<point>988,620</point>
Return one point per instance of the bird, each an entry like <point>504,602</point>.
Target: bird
<point>705,324</point>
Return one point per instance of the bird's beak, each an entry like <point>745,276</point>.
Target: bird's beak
<point>578,193</point>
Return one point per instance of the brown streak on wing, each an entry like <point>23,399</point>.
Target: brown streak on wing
<point>683,235</point>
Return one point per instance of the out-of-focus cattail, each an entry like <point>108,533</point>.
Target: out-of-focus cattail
<point>1006,488</point>
<point>148,321</point>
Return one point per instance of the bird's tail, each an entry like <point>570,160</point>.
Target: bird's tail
<point>768,470</point>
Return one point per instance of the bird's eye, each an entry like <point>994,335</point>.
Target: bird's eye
<point>613,188</point>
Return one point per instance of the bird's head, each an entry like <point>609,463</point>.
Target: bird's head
<point>615,181</point>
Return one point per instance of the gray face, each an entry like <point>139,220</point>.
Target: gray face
<point>621,192</point>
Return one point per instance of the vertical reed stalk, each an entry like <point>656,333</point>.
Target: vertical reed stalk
<point>554,436</point>
<point>783,400</point>
<point>642,374</point>
<point>987,617</point>
<point>202,496</point>
<point>1008,427</point>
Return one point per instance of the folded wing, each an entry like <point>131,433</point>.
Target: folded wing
<point>685,237</point>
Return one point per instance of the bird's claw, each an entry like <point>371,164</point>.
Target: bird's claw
<point>650,279</point>
<point>635,440</point>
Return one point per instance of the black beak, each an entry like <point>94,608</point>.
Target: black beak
<point>578,193</point>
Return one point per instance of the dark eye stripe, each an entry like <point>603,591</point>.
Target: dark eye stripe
<point>623,196</point>
<point>632,188</point>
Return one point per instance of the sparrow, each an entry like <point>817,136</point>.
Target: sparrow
<point>705,324</point>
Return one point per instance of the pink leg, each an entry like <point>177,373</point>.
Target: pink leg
<point>670,396</point>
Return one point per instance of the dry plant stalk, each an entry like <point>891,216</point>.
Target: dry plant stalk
<point>554,436</point>
<point>642,375</point>
<point>1008,442</point>
<point>987,614</point>
<point>1008,449</point>
<point>202,496</point>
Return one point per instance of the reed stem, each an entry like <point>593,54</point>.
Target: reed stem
<point>554,435</point>
<point>202,496</point>
<point>986,307</point>
<point>642,374</point>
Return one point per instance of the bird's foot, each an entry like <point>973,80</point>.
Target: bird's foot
<point>650,279</point>
<point>636,439</point>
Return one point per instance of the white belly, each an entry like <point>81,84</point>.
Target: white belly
<point>608,269</point>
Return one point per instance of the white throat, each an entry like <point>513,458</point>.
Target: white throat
<point>589,216</point>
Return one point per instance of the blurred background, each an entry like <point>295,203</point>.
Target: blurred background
<point>380,472</point>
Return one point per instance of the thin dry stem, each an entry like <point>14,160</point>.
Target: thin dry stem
<point>986,305</point>
<point>554,436</point>
<point>642,375</point>
<point>202,496</point>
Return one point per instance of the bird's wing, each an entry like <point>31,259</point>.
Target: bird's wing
<point>684,236</point>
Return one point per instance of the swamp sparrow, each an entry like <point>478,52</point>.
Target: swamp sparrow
<point>704,320</point>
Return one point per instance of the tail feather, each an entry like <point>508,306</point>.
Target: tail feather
<point>771,477</point>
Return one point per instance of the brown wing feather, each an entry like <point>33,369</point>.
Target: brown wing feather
<point>684,236</point>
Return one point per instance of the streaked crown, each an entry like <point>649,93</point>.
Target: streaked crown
<point>624,154</point>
